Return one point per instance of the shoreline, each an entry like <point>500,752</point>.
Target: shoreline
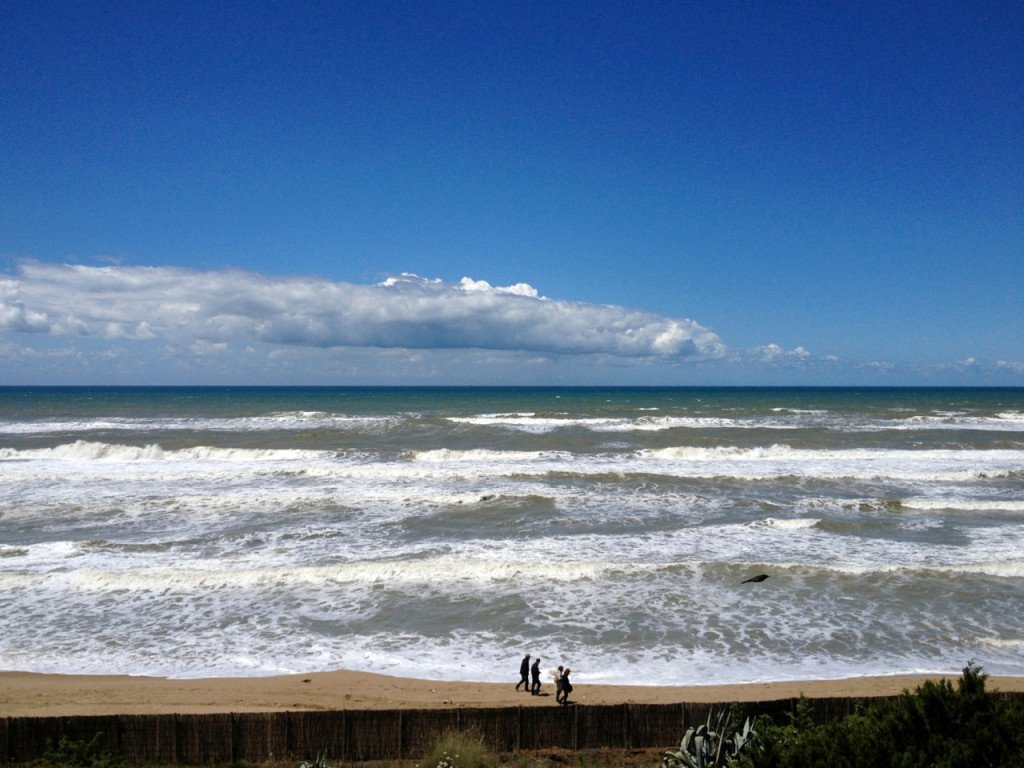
<point>31,694</point>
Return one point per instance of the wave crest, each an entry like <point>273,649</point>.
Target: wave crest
<point>83,450</point>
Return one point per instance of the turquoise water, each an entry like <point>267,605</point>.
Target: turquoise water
<point>443,532</point>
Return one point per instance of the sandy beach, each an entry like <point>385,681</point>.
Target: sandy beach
<point>24,694</point>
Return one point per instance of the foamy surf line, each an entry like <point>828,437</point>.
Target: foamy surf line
<point>291,421</point>
<point>964,505</point>
<point>82,450</point>
<point>452,662</point>
<point>461,570</point>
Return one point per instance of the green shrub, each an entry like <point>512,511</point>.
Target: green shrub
<point>78,754</point>
<point>937,726</point>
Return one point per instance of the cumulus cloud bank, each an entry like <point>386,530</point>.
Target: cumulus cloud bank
<point>214,308</point>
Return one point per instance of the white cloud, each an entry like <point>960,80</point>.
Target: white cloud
<point>773,353</point>
<point>1008,365</point>
<point>881,366</point>
<point>519,289</point>
<point>205,311</point>
<point>18,352</point>
<point>205,348</point>
<point>13,314</point>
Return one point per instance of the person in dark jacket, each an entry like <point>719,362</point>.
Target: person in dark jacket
<point>566,687</point>
<point>524,674</point>
<point>535,674</point>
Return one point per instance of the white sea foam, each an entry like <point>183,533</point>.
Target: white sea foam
<point>493,418</point>
<point>660,423</point>
<point>543,424</point>
<point>783,419</point>
<point>1013,416</point>
<point>967,505</point>
<point>1013,643</point>
<point>793,524</point>
<point>1003,422</point>
<point>1006,569</point>
<point>284,421</point>
<point>441,572</point>
<point>784,452</point>
<point>82,450</point>
<point>434,571</point>
<point>527,421</point>
<point>449,465</point>
<point>477,454</point>
<point>937,465</point>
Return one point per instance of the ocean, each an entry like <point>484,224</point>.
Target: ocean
<point>445,532</point>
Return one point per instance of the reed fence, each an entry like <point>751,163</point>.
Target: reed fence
<point>359,735</point>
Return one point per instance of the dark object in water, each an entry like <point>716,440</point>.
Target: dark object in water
<point>759,578</point>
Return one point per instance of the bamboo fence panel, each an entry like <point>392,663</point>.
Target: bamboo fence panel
<point>259,736</point>
<point>310,733</point>
<point>655,725</point>
<point>205,739</point>
<point>602,726</point>
<point>27,737</point>
<point>87,727</point>
<point>777,710</point>
<point>421,727</point>
<point>373,734</point>
<point>697,714</point>
<point>148,738</point>
<point>499,729</point>
<point>540,728</point>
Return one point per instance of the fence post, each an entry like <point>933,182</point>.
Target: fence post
<point>576,727</point>
<point>287,735</point>
<point>627,738</point>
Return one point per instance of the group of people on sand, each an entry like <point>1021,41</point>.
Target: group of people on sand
<point>563,687</point>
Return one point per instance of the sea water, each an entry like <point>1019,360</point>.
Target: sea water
<point>443,533</point>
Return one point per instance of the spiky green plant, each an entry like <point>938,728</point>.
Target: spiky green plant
<point>319,762</point>
<point>711,745</point>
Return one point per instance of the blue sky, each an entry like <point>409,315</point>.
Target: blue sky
<point>662,193</point>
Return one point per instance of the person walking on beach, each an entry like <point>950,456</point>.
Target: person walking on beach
<point>535,674</point>
<point>558,684</point>
<point>524,674</point>
<point>566,686</point>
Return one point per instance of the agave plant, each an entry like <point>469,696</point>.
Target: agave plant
<point>708,745</point>
<point>319,762</point>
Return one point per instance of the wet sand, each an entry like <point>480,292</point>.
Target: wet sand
<point>25,694</point>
